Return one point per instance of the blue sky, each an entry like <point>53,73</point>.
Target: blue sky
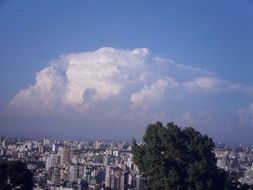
<point>216,36</point>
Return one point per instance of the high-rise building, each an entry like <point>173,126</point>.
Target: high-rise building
<point>73,173</point>
<point>124,181</point>
<point>52,161</point>
<point>29,145</point>
<point>41,149</point>
<point>80,171</point>
<point>46,141</point>
<point>130,179</point>
<point>64,155</point>
<point>55,147</point>
<point>115,182</point>
<point>106,160</point>
<point>4,143</point>
<point>113,177</point>
<point>97,144</point>
<point>107,176</point>
<point>56,178</point>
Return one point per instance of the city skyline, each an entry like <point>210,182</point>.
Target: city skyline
<point>73,164</point>
<point>108,69</point>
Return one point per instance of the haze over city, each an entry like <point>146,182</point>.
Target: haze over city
<point>105,69</point>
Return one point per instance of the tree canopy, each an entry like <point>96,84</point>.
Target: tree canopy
<point>174,158</point>
<point>15,175</point>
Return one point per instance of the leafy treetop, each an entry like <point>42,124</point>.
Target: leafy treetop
<point>172,158</point>
<point>15,175</point>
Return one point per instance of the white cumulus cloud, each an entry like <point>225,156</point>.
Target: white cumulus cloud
<point>210,83</point>
<point>79,80</point>
<point>148,94</point>
<point>42,97</point>
<point>111,82</point>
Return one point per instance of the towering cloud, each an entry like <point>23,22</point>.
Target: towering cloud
<point>125,85</point>
<point>81,80</point>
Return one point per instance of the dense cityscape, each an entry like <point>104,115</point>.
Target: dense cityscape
<point>79,165</point>
<point>80,80</point>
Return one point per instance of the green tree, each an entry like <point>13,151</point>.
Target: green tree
<point>172,158</point>
<point>15,175</point>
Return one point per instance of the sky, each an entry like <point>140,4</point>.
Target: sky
<point>106,69</point>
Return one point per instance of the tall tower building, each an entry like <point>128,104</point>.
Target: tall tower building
<point>124,181</point>
<point>64,156</point>
<point>51,161</point>
<point>4,143</point>
<point>107,176</point>
<point>73,173</point>
<point>56,178</point>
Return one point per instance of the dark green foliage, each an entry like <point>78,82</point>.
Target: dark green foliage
<point>15,175</point>
<point>172,158</point>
